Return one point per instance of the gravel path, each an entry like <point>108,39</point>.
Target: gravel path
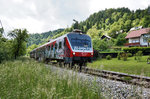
<point>110,89</point>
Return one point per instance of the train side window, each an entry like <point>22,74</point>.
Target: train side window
<point>48,47</point>
<point>60,45</point>
<point>55,46</point>
<point>52,47</point>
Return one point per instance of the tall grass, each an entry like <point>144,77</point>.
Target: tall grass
<point>26,78</point>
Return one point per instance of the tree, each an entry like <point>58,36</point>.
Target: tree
<point>146,21</point>
<point>101,45</point>
<point>30,48</point>
<point>121,39</point>
<point>127,25</point>
<point>93,32</point>
<point>19,41</point>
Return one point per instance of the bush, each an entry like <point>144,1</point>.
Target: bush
<point>124,56</point>
<point>129,54</point>
<point>134,50</point>
<point>108,57</point>
<point>119,56</point>
<point>139,55</point>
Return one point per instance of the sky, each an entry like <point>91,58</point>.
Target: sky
<point>39,16</point>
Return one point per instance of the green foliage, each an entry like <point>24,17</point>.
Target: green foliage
<point>101,45</point>
<point>30,48</point>
<point>5,49</point>
<point>19,42</point>
<point>119,56</point>
<point>112,21</point>
<point>134,50</point>
<point>131,66</point>
<point>129,54</point>
<point>138,56</point>
<point>93,33</point>
<point>108,57</point>
<point>124,56</point>
<point>25,78</point>
<point>120,39</point>
<point>146,21</point>
<point>43,37</point>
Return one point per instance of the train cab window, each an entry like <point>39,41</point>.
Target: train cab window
<point>60,45</point>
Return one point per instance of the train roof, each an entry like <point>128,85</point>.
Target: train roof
<point>53,40</point>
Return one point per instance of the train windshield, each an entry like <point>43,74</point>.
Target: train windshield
<point>80,42</point>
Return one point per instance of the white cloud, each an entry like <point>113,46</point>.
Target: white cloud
<point>96,5</point>
<point>45,15</point>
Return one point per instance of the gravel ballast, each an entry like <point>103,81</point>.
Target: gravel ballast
<point>108,88</point>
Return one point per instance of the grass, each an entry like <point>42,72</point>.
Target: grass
<point>131,66</point>
<point>25,78</point>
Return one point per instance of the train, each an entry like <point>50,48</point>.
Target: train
<point>72,48</point>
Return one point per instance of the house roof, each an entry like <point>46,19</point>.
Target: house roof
<point>137,33</point>
<point>103,36</point>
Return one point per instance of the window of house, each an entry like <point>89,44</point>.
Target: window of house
<point>146,37</point>
<point>135,41</point>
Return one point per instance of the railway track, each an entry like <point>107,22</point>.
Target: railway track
<point>123,77</point>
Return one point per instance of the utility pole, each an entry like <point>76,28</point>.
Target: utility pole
<point>76,24</point>
<point>2,28</point>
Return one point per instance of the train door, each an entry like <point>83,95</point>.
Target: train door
<point>51,52</point>
<point>67,52</point>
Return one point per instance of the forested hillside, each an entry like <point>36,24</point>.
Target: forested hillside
<point>113,22</point>
<point>42,38</point>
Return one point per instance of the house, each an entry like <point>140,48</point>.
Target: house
<point>138,37</point>
<point>105,37</point>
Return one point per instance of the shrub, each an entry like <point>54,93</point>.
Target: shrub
<point>135,57</point>
<point>134,50</point>
<point>129,54</point>
<point>139,55</point>
<point>148,59</point>
<point>108,57</point>
<point>124,56</point>
<point>119,56</point>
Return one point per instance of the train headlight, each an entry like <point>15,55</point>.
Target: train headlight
<point>91,53</point>
<point>73,53</point>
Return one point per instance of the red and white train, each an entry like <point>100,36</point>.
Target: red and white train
<point>71,48</point>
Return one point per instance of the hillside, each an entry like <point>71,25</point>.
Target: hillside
<point>42,38</point>
<point>113,22</point>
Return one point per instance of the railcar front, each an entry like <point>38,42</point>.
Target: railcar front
<point>81,50</point>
